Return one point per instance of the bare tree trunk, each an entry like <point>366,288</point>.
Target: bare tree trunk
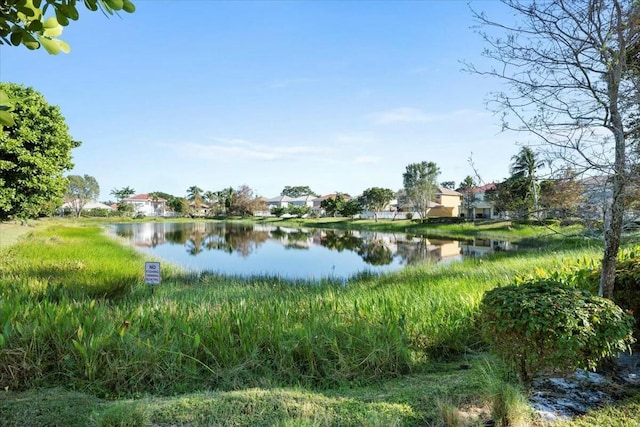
<point>612,234</point>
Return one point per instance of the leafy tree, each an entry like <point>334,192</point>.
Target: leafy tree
<point>179,205</point>
<point>122,193</point>
<point>510,196</point>
<point>469,198</point>
<point>25,22</point>
<point>225,199</point>
<point>244,203</point>
<point>375,199</point>
<point>350,208</point>
<point>451,185</point>
<point>572,72</point>
<point>524,169</point>
<point>34,153</point>
<point>420,185</point>
<point>298,191</point>
<point>80,190</point>
<point>278,211</point>
<point>298,210</point>
<point>162,195</point>
<point>333,205</point>
<point>562,195</point>
<point>194,195</point>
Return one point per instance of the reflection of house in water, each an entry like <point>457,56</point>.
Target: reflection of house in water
<point>481,247</point>
<point>416,250</point>
<point>149,234</point>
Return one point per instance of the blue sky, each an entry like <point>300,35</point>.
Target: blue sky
<point>336,95</point>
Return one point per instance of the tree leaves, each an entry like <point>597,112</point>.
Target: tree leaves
<point>24,21</point>
<point>35,151</point>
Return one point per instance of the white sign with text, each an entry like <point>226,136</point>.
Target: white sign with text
<point>152,273</point>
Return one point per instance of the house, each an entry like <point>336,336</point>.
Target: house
<point>278,202</point>
<point>286,201</point>
<point>446,204</point>
<point>199,209</point>
<point>476,205</point>
<point>147,205</point>
<point>73,204</point>
<point>449,204</point>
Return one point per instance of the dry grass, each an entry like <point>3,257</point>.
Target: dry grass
<point>11,232</point>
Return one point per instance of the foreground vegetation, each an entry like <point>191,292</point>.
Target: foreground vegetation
<point>79,327</point>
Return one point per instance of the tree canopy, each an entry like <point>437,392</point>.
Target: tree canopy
<point>420,185</point>
<point>375,199</point>
<point>298,191</point>
<point>25,22</point>
<point>80,191</point>
<point>34,154</point>
<point>122,193</point>
<point>571,70</point>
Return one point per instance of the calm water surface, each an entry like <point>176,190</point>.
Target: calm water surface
<point>300,253</point>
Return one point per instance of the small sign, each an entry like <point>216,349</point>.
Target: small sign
<point>152,273</point>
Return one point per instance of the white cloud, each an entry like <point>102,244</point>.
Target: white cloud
<point>238,149</point>
<point>416,115</point>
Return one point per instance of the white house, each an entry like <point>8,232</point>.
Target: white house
<point>71,206</point>
<point>480,207</point>
<point>147,205</point>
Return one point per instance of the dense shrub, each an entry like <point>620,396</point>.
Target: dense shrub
<point>626,291</point>
<point>96,213</point>
<point>544,324</point>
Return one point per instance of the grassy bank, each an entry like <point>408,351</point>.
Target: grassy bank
<point>380,350</point>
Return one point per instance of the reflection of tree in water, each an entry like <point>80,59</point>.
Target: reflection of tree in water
<point>340,242</point>
<point>373,252</point>
<point>278,233</point>
<point>221,237</point>
<point>176,236</point>
<point>127,233</point>
<point>241,239</point>
<point>417,250</point>
<point>195,243</point>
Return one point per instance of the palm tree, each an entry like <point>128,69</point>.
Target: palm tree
<point>524,166</point>
<point>194,194</point>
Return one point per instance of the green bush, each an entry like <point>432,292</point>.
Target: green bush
<point>626,291</point>
<point>544,324</point>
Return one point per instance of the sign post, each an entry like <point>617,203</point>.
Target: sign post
<point>152,274</point>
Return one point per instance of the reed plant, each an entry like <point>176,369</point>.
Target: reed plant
<point>74,312</point>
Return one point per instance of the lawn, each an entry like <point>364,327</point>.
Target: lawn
<point>84,342</point>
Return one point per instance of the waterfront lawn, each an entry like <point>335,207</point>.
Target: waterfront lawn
<point>78,325</point>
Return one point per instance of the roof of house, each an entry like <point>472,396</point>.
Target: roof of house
<point>144,197</point>
<point>480,189</point>
<point>279,199</point>
<point>447,192</point>
<point>484,188</point>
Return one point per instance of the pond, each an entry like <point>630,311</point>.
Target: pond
<point>294,253</point>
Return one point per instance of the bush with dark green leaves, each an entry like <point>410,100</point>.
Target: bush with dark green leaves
<point>544,325</point>
<point>626,291</point>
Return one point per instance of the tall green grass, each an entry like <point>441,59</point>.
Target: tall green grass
<point>74,312</point>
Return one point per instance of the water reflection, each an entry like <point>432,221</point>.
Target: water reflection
<point>292,252</point>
